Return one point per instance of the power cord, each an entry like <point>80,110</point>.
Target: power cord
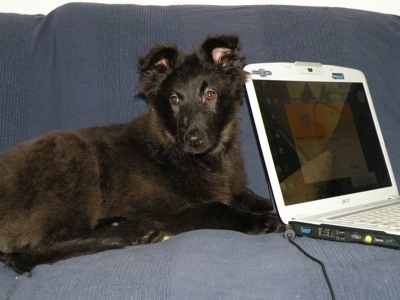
<point>289,234</point>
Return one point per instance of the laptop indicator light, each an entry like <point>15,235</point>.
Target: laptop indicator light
<point>368,239</point>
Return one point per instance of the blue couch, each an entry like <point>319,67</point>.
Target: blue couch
<point>76,67</point>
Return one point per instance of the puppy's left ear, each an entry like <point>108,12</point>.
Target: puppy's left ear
<point>222,50</point>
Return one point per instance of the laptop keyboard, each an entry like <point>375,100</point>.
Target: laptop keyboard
<point>383,217</point>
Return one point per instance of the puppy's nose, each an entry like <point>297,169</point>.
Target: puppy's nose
<point>194,137</point>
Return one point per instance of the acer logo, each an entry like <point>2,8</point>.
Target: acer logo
<point>347,200</point>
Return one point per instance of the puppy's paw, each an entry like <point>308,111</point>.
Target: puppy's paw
<point>153,236</point>
<point>274,224</point>
<point>15,261</point>
<point>268,223</point>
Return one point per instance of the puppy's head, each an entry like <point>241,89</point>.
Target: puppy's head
<point>195,97</point>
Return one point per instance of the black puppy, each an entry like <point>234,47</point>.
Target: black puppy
<point>175,169</point>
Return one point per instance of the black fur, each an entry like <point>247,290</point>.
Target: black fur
<point>175,169</point>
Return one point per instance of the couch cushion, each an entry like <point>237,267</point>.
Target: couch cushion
<point>217,264</point>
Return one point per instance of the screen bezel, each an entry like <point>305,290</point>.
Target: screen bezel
<point>291,72</point>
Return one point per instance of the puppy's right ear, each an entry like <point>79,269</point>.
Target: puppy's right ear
<point>155,66</point>
<point>160,58</point>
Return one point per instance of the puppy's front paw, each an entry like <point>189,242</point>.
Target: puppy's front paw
<point>268,223</point>
<point>274,224</point>
<point>153,236</point>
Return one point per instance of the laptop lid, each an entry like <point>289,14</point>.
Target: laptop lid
<point>320,139</point>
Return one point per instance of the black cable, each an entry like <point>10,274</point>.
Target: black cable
<point>331,291</point>
<point>290,235</point>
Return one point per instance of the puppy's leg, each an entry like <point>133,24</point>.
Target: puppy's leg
<point>113,222</point>
<point>111,233</point>
<point>220,216</point>
<point>24,261</point>
<point>148,228</point>
<point>248,200</point>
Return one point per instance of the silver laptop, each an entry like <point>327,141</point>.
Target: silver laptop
<point>328,168</point>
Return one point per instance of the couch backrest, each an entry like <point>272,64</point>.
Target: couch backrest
<point>76,67</point>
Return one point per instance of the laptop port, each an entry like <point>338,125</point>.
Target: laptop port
<point>305,230</point>
<point>356,236</point>
<point>325,232</point>
<point>341,235</point>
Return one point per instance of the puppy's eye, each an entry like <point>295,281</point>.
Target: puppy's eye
<point>174,100</point>
<point>210,95</point>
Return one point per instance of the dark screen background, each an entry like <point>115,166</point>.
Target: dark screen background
<point>321,99</point>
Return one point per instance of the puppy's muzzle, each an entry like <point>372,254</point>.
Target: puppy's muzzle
<point>194,138</point>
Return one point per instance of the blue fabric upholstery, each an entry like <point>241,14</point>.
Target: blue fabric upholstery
<point>211,264</point>
<point>76,67</point>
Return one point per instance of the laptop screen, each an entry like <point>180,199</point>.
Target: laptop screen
<point>322,138</point>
